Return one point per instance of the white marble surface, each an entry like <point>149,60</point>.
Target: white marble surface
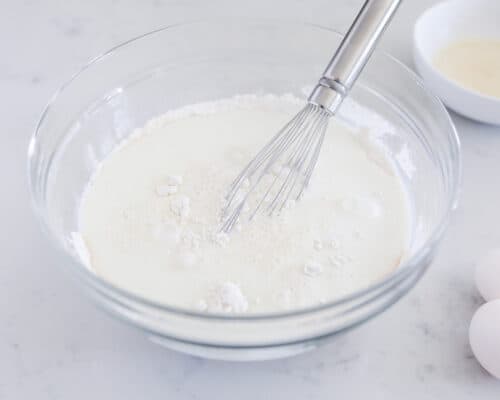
<point>55,345</point>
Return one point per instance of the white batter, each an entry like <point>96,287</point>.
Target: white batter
<point>149,217</point>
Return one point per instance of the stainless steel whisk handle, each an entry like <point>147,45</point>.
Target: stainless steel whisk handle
<point>353,53</point>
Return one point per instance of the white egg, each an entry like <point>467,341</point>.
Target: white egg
<point>487,275</point>
<point>484,336</point>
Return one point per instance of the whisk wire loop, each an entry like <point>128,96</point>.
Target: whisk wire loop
<point>285,163</point>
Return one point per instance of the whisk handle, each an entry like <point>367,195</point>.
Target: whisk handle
<point>353,52</point>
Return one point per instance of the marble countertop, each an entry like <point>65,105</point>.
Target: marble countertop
<point>54,344</point>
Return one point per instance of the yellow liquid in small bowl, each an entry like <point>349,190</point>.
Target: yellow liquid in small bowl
<point>473,64</point>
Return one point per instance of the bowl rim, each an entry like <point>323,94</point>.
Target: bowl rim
<point>397,275</point>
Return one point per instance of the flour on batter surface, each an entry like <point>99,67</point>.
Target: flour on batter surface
<point>149,217</point>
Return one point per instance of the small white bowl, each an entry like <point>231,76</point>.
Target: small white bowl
<point>439,26</point>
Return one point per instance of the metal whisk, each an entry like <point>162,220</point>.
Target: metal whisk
<point>280,172</point>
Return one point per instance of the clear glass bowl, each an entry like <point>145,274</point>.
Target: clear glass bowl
<point>183,64</point>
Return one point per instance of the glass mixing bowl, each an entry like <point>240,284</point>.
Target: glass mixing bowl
<point>182,64</point>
